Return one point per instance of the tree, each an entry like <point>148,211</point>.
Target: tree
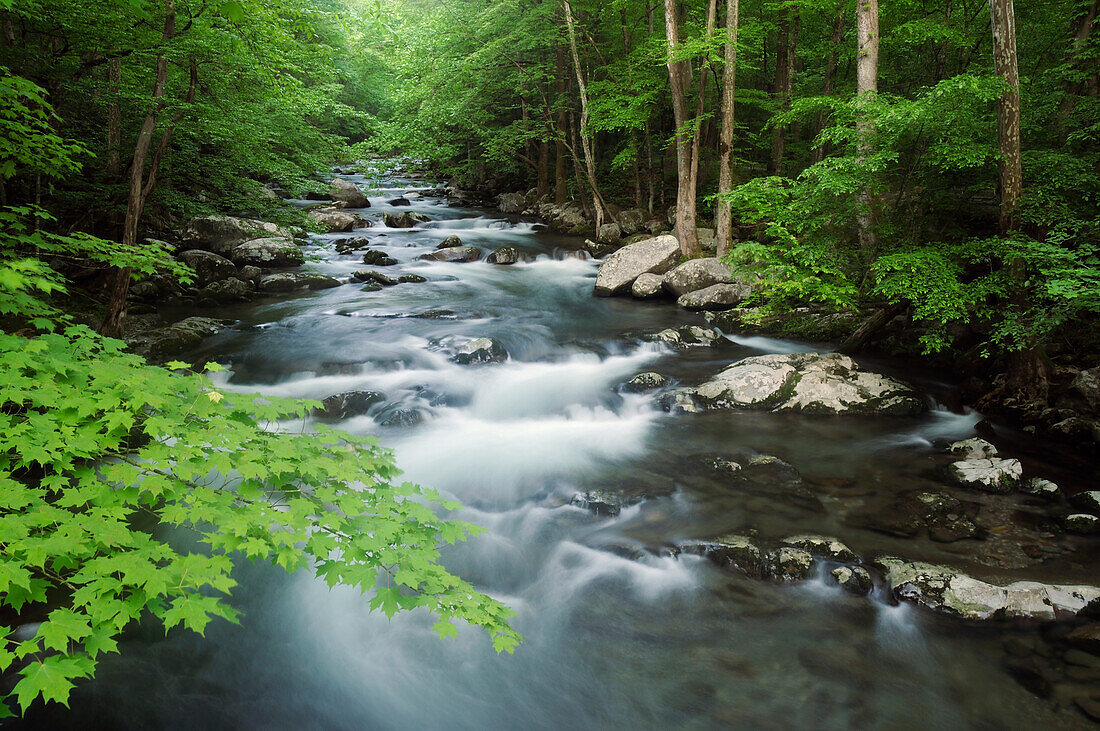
<point>867,38</point>
<point>722,217</point>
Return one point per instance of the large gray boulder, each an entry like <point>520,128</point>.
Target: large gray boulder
<point>1087,385</point>
<point>221,234</point>
<point>293,281</point>
<point>208,266</point>
<point>947,591</point>
<point>511,202</point>
<point>268,253</point>
<point>227,290</point>
<point>336,220</point>
<point>609,233</point>
<point>458,254</point>
<point>647,286</point>
<point>632,221</point>
<point>716,297</point>
<point>405,219</point>
<point>698,274</point>
<point>344,191</point>
<point>822,383</point>
<point>989,475</point>
<point>505,255</point>
<point>652,256</point>
<point>686,337</point>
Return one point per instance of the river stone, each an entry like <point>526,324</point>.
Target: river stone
<point>854,580</point>
<point>345,191</point>
<point>220,234</point>
<point>227,290</point>
<point>351,245</point>
<point>400,201</point>
<point>401,418</point>
<point>988,475</point>
<point>822,546</point>
<point>268,253</point>
<point>716,297</point>
<point>632,221</point>
<point>291,281</point>
<point>413,196</point>
<point>678,401</point>
<point>601,503</point>
<point>950,592</point>
<point>1082,524</point>
<point>652,256</point>
<point>1087,385</point>
<point>644,382</point>
<point>371,287</point>
<point>598,250</point>
<point>1087,501</point>
<point>504,255</point>
<point>342,405</point>
<point>792,564</point>
<point>609,233</point>
<point>1039,487</point>
<point>165,342</point>
<point>369,275</point>
<point>697,274</point>
<point>250,274</point>
<point>450,242</point>
<point>378,259</point>
<point>335,220</point>
<point>208,266</point>
<point>688,336</point>
<point>735,551</point>
<point>647,286</point>
<point>458,254</point>
<point>973,449</point>
<point>511,202</point>
<point>411,279</point>
<point>405,219</point>
<point>822,383</point>
<point>480,350</point>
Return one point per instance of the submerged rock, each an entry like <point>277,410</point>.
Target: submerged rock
<point>342,405</point>
<point>854,580</point>
<point>411,279</point>
<point>401,418</point>
<point>817,383</point>
<point>945,590</point>
<point>602,503</point>
<point>268,253</point>
<point>620,269</point>
<point>480,350</point>
<point>644,382</point>
<point>988,475</point>
<point>944,517</point>
<point>822,546</point>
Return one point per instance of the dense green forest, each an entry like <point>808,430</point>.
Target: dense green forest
<point>935,160</point>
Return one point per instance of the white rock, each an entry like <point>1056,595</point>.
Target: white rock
<point>652,256</point>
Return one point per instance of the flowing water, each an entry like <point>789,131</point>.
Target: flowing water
<point>611,642</point>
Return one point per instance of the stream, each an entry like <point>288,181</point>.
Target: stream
<point>618,634</point>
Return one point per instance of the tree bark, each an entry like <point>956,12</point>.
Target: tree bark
<point>723,223</point>
<point>679,73</point>
<point>586,139</point>
<point>867,37</point>
<point>817,154</point>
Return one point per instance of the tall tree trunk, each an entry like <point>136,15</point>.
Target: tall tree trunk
<point>586,139</point>
<point>114,119</point>
<point>561,170</point>
<point>722,217</point>
<point>818,153</point>
<point>781,92</point>
<point>1026,379</point>
<point>866,87</point>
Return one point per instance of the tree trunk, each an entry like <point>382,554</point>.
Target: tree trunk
<point>866,87</point>
<point>586,139</point>
<point>781,92</point>
<point>679,73</point>
<point>1026,379</point>
<point>114,120</point>
<point>818,153</point>
<point>561,169</point>
<point>722,217</point>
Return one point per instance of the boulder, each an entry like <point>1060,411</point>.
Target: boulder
<point>504,255</point>
<point>647,286</point>
<point>945,517</point>
<point>1087,385</point>
<point>413,196</point>
<point>250,274</point>
<point>1089,501</point>
<point>221,234</point>
<point>854,580</point>
<point>821,383</point>
<point>511,202</point>
<point>974,448</point>
<point>716,297</point>
<point>411,279</point>
<point>268,253</point>
<point>569,219</point>
<point>344,191</point>
<point>378,259</point>
<point>352,245</point>
<point>451,242</point>
<point>401,417</point>
<point>601,503</point>
<point>335,220</point>
<point>208,266</point>
<point>732,551</point>
<point>480,350</point>
<point>400,201</point>
<point>405,219</point>
<point>791,564</point>
<point>369,275</point>
<point>609,233</point>
<point>342,405</point>
<point>458,254</point>
<point>947,591</point>
<point>1082,524</point>
<point>698,274</point>
<point>632,220</point>
<point>227,290</point>
<point>293,281</point>
<point>988,475</point>
<point>172,340</point>
<point>1039,487</point>
<point>652,256</point>
<point>644,382</point>
<point>598,250</point>
<point>823,547</point>
<point>688,336</point>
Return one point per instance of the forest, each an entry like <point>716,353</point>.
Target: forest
<point>913,189</point>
